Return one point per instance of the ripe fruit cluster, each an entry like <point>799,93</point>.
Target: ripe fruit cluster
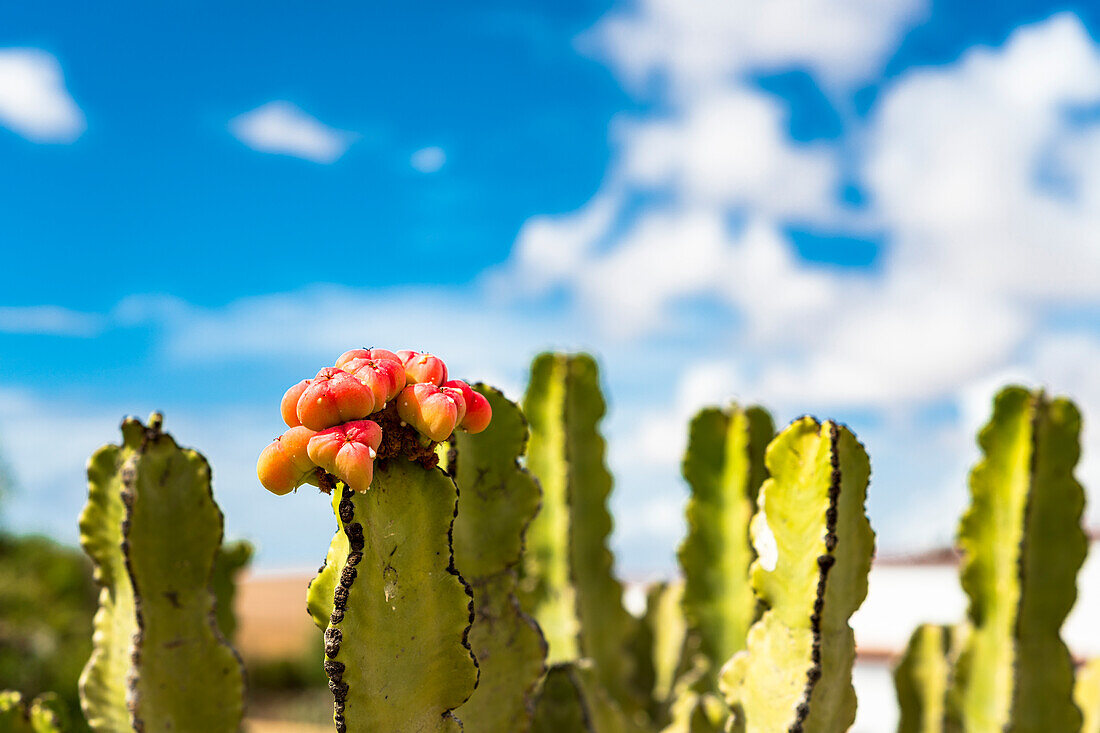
<point>327,416</point>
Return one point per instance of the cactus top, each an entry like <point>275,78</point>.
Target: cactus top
<point>373,404</point>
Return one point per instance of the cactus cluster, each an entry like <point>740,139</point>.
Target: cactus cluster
<point>329,432</point>
<point>469,584</point>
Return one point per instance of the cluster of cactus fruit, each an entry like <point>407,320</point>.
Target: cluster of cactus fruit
<point>469,584</point>
<point>329,433</point>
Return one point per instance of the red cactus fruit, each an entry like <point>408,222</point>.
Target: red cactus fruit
<point>289,405</point>
<point>384,354</point>
<point>347,452</point>
<point>423,368</point>
<point>284,465</point>
<point>429,410</point>
<point>478,410</point>
<point>459,399</point>
<point>385,377</point>
<point>351,354</point>
<point>334,397</point>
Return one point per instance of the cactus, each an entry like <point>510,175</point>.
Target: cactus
<point>814,547</point>
<point>567,582</point>
<point>396,651</point>
<point>153,530</point>
<point>45,714</point>
<point>1022,546</point>
<point>724,465</point>
<point>497,501</point>
<point>1086,693</point>
<point>922,678</point>
<point>233,558</point>
<point>572,700</point>
<point>395,611</point>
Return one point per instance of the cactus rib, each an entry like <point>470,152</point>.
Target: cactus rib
<point>1022,545</point>
<point>814,547</point>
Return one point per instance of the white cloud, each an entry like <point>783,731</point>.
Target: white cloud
<point>698,45</point>
<point>955,161</point>
<point>730,148</point>
<point>283,128</point>
<point>49,319</point>
<point>34,102</point>
<point>428,160</point>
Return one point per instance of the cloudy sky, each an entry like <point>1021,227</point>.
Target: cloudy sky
<point>872,210</point>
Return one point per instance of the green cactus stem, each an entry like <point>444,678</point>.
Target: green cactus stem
<point>922,678</point>
<point>566,579</point>
<point>396,649</point>
<point>1086,693</point>
<point>814,547</point>
<point>724,465</point>
<point>152,528</point>
<point>45,714</point>
<point>658,648</point>
<point>572,700</point>
<point>1022,546</point>
<point>497,501</point>
<point>233,558</point>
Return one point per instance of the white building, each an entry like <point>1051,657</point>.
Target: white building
<point>905,592</point>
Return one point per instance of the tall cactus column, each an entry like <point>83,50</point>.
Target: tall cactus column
<point>567,581</point>
<point>1022,546</point>
<point>152,528</point>
<point>724,466</point>
<point>497,501</point>
<point>814,547</point>
<point>395,612</point>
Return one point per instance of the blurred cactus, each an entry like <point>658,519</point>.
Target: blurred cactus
<point>814,547</point>
<point>724,466</point>
<point>1086,694</point>
<point>1022,546</point>
<point>567,582</point>
<point>232,559</point>
<point>497,501</point>
<point>45,714</point>
<point>922,678</point>
<point>153,530</point>
<point>573,700</point>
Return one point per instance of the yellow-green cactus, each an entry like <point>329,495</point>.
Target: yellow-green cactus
<point>1086,693</point>
<point>922,678</point>
<point>567,582</point>
<point>724,465</point>
<point>572,700</point>
<point>497,501</point>
<point>396,650</point>
<point>233,558</point>
<point>814,547</point>
<point>1022,546</point>
<point>153,530</point>
<point>45,714</point>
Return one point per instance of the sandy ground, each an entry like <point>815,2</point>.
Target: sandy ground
<point>271,617</point>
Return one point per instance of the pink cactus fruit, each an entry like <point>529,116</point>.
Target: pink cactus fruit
<point>334,397</point>
<point>478,410</point>
<point>459,399</point>
<point>351,354</point>
<point>429,410</point>
<point>289,405</point>
<point>384,354</point>
<point>347,452</point>
<point>423,368</point>
<point>284,465</point>
<point>385,377</point>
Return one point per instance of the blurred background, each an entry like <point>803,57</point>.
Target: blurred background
<point>877,211</point>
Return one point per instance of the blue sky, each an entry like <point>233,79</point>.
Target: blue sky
<point>877,212</point>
